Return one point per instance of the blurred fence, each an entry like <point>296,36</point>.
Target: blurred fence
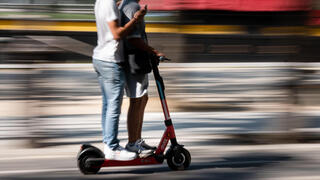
<point>36,47</point>
<point>59,104</point>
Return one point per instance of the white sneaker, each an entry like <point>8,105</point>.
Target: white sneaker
<point>140,147</point>
<point>119,153</point>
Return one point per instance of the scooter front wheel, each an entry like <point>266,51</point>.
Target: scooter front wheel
<point>179,160</point>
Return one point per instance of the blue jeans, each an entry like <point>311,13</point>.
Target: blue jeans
<point>111,78</point>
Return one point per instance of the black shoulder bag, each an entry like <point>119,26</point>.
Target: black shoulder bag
<point>138,61</point>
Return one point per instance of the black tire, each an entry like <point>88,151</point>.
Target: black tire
<point>181,161</point>
<point>83,166</point>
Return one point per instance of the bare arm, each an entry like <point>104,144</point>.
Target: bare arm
<point>119,32</point>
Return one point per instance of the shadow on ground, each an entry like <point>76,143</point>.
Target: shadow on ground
<point>227,168</point>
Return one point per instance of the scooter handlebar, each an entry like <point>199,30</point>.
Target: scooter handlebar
<point>163,58</point>
<point>155,60</point>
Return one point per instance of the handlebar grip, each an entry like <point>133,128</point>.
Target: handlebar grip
<point>163,58</point>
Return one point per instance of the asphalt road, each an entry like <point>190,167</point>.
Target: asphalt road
<point>234,162</point>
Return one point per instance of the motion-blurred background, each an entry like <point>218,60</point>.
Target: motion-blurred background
<point>244,70</point>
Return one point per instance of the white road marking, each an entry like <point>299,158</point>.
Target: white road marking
<point>36,171</point>
<point>36,157</point>
<point>294,178</point>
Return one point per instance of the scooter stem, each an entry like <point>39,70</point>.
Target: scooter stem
<point>169,133</point>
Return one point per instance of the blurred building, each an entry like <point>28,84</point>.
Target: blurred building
<point>230,5</point>
<point>186,30</point>
<point>46,1</point>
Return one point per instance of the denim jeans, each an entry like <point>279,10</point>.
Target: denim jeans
<point>111,78</point>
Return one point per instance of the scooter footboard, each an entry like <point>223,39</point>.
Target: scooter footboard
<point>134,162</point>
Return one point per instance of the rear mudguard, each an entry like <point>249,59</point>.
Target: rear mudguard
<point>88,149</point>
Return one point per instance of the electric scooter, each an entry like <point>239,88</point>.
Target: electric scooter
<point>90,159</point>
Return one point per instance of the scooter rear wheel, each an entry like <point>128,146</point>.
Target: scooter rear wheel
<point>85,167</point>
<point>179,160</point>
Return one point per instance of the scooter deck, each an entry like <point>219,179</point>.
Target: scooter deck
<point>138,161</point>
<point>102,162</point>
